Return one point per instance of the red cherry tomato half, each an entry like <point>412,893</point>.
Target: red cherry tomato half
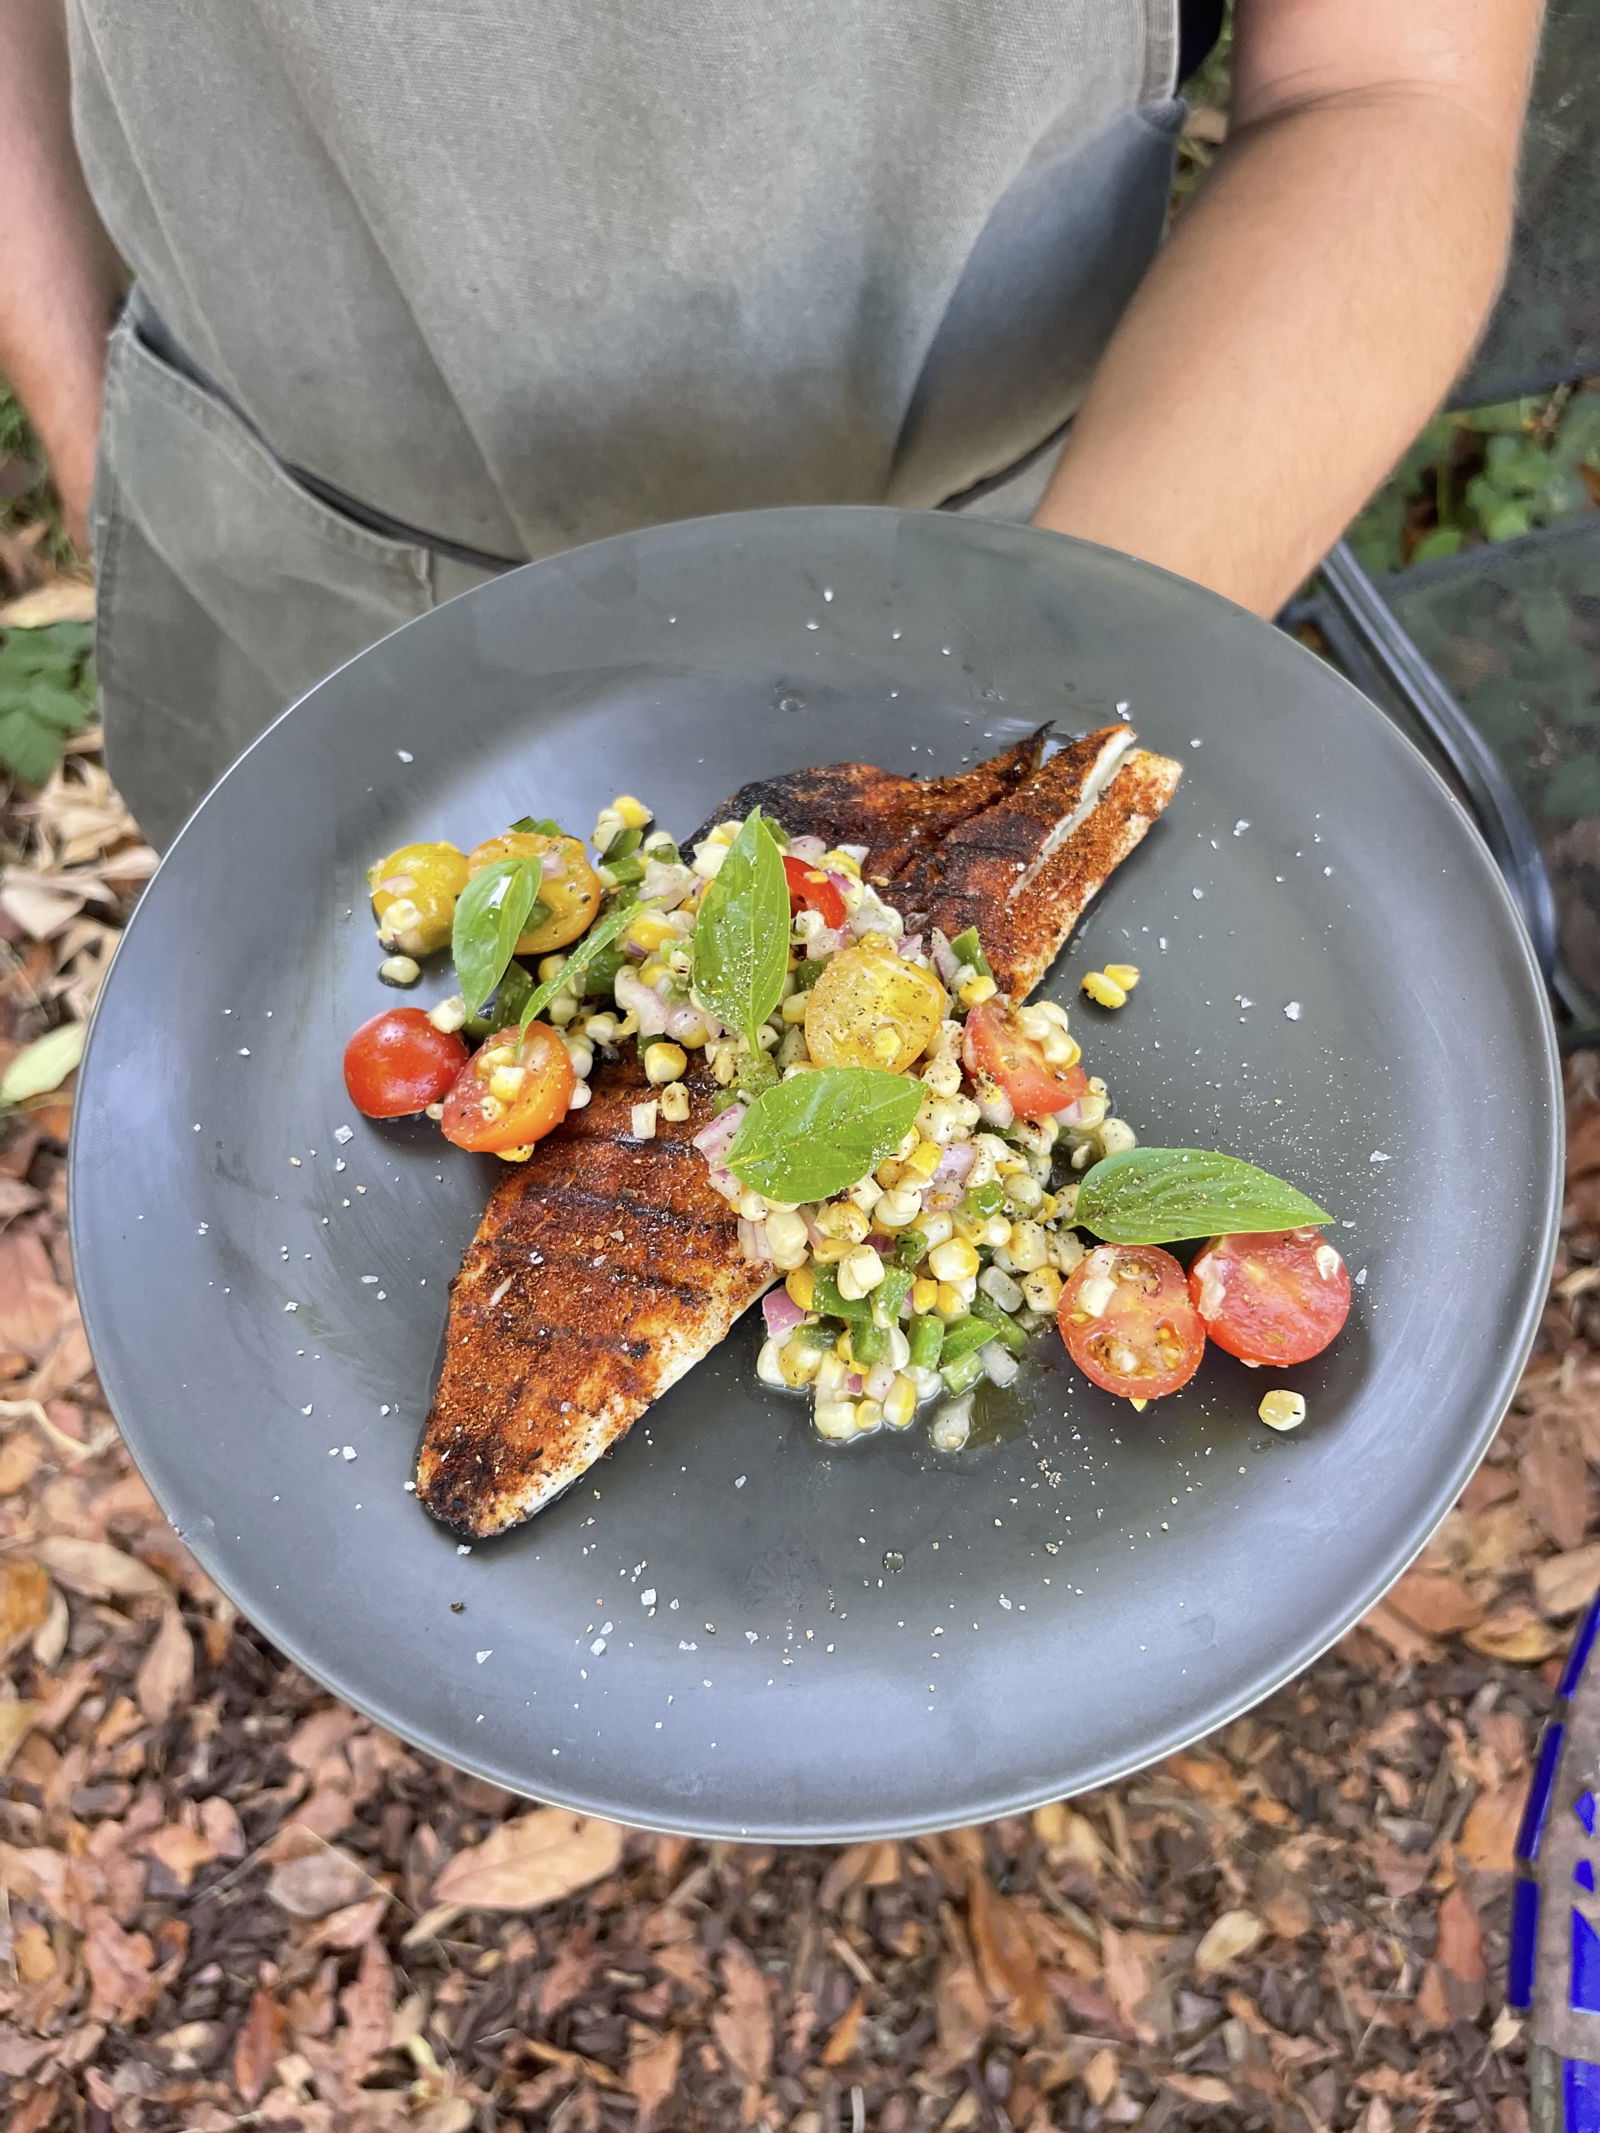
<point>1278,1297</point>
<point>1126,1318</point>
<point>810,888</point>
<point>511,1092</point>
<point>994,1045</point>
<point>399,1063</point>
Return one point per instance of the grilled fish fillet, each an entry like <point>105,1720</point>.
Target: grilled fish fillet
<point>607,1267</point>
<point>1024,869</point>
<point>601,1272</point>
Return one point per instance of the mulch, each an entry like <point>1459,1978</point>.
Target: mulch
<point>229,1901</point>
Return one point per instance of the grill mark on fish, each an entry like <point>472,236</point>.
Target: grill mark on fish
<point>543,1381</point>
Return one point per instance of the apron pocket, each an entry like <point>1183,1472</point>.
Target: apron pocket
<point>225,590</point>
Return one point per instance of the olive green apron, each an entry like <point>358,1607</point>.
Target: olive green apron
<point>426,291</point>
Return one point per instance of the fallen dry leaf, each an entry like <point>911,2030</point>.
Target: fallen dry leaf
<point>1226,1940</point>
<point>58,599</point>
<point>742,2023</point>
<point>119,1966</point>
<point>258,2045</point>
<point>318,1882</point>
<point>1564,1583</point>
<point>181,1850</point>
<point>1435,1601</point>
<point>32,1301</point>
<point>1008,1963</point>
<point>1100,2076</point>
<point>961,2013</point>
<point>536,1859</point>
<point>653,2061</point>
<point>1488,1836</point>
<point>841,2043</point>
<point>1516,1634</point>
<point>96,1570</point>
<point>165,1679</point>
<point>368,2005</point>
<point>1200,2088</point>
<point>24,1601</point>
<point>1555,1481</point>
<point>15,1719</point>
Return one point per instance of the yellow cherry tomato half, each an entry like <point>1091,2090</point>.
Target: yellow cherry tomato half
<point>570,890</point>
<point>414,895</point>
<point>870,1008</point>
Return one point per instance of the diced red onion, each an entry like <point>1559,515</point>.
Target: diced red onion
<point>753,1240</point>
<point>634,952</point>
<point>723,1181</point>
<point>910,944</point>
<point>715,1140</point>
<point>634,997</point>
<point>1070,1114</point>
<point>954,1164</point>
<point>828,941</point>
<point>687,1020</point>
<point>945,959</point>
<point>852,1386</point>
<point>665,884</point>
<point>781,1313</point>
<point>880,1381</point>
<point>808,850</point>
<point>880,1241</point>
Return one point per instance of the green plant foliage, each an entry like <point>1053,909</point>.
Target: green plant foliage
<point>46,696</point>
<point>1488,474</point>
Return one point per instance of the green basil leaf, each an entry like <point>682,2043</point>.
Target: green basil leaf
<point>1161,1195</point>
<point>598,938</point>
<point>741,936</point>
<point>491,912</point>
<point>822,1132</point>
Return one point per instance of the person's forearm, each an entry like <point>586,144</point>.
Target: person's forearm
<point>59,276</point>
<point>1309,313</point>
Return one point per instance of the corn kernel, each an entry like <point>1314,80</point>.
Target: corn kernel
<point>505,1082</point>
<point>752,1206</point>
<point>937,1227</point>
<point>799,1362</point>
<point>664,1063</point>
<point>828,1251</point>
<point>889,1174</point>
<point>515,1155</point>
<point>769,1368</point>
<point>1282,1410</point>
<point>866,1195</point>
<point>579,1098</point>
<point>840,1219</point>
<point>634,813</point>
<point>1029,1247</point>
<point>1041,1291</point>
<point>869,1414</point>
<point>835,1419</point>
<point>860,1272</point>
<point>900,1403</point>
<point>1116,1137</point>
<point>1104,991</point>
<point>840,863</point>
<point>650,930</point>
<point>978,988</point>
<point>724,1060</point>
<point>801,1288</point>
<point>995,1282</point>
<point>942,1077</point>
<point>1066,1250</point>
<point>449,1014</point>
<point>551,966</point>
<point>675,1103</point>
<point>898,1209</point>
<point>831,1374</point>
<point>924,1159</point>
<point>794,1008</point>
<point>924,1295</point>
<point>1124,974</point>
<point>1025,1192</point>
<point>953,1261</point>
<point>1060,1050</point>
<point>952,1299</point>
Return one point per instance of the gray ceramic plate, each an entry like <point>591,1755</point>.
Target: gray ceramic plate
<point>1334,986</point>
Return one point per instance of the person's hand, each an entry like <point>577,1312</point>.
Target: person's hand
<point>70,453</point>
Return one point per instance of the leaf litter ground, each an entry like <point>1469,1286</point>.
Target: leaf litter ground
<point>229,1901</point>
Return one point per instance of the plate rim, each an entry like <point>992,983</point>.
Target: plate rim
<point>211,1553</point>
